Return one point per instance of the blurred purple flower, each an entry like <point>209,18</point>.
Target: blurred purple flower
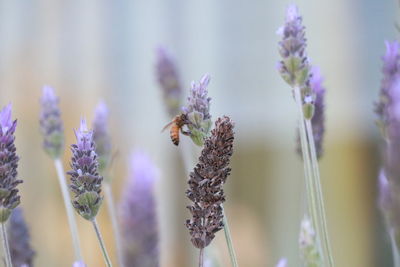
<point>197,110</point>
<point>9,198</point>
<point>79,264</point>
<point>294,64</point>
<point>389,92</point>
<point>168,78</point>
<point>51,124</point>
<point>308,244</point>
<point>101,136</point>
<point>138,214</point>
<point>282,263</point>
<point>85,180</point>
<point>21,251</point>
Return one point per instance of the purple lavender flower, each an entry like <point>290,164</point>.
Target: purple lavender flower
<point>85,180</point>
<point>138,214</point>
<point>168,78</point>
<point>51,124</point>
<point>317,103</point>
<point>197,111</point>
<point>9,198</point>
<point>389,84</point>
<point>294,65</point>
<point>79,264</point>
<point>21,251</point>
<point>205,184</point>
<point>101,137</point>
<point>282,263</point>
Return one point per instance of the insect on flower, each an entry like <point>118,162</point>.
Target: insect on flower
<point>176,126</point>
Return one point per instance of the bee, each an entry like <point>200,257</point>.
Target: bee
<point>176,126</point>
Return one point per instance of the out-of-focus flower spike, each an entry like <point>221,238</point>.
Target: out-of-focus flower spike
<point>51,123</point>
<point>308,247</point>
<point>102,137</point>
<point>138,214</point>
<point>197,110</point>
<point>282,263</point>
<point>168,78</point>
<point>21,251</point>
<point>79,264</point>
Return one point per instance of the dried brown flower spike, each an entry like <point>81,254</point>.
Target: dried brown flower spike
<point>205,184</point>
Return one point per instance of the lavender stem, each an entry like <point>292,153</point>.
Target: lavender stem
<point>201,257</point>
<point>395,250</point>
<point>318,189</point>
<point>5,245</point>
<point>228,239</point>
<point>311,194</point>
<point>101,242</point>
<point>115,226</point>
<point>68,207</point>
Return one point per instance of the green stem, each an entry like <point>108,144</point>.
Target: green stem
<point>309,181</point>
<point>6,247</point>
<point>68,207</point>
<point>228,238</point>
<point>320,198</point>
<point>101,242</point>
<point>115,226</point>
<point>201,257</point>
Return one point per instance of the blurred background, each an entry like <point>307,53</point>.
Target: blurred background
<point>92,50</point>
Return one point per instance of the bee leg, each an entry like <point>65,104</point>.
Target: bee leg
<point>185,132</point>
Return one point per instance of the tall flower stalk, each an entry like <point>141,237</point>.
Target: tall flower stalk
<point>9,197</point>
<point>102,140</point>
<point>53,143</point>
<point>205,186</point>
<point>387,108</point>
<point>138,214</point>
<point>86,182</point>
<point>296,71</point>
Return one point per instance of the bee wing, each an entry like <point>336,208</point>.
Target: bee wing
<point>167,126</point>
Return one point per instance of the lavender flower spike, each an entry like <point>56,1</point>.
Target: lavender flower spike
<point>205,184</point>
<point>168,78</point>
<point>294,65</point>
<point>22,253</point>
<point>101,137</point>
<point>391,76</point>
<point>308,247</point>
<point>79,264</point>
<point>9,198</point>
<point>138,214</point>
<point>85,180</point>
<point>51,124</point>
<point>197,111</point>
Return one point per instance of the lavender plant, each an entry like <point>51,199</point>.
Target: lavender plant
<point>101,138</point>
<point>168,79</point>
<point>387,109</point>
<point>86,181</point>
<point>21,251</point>
<point>53,143</point>
<point>282,263</point>
<point>197,111</point>
<point>296,71</point>
<point>138,214</point>
<point>205,185</point>
<point>9,198</point>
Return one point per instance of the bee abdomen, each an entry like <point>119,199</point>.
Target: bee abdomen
<point>175,134</point>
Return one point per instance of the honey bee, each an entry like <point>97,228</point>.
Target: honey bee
<point>177,126</point>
